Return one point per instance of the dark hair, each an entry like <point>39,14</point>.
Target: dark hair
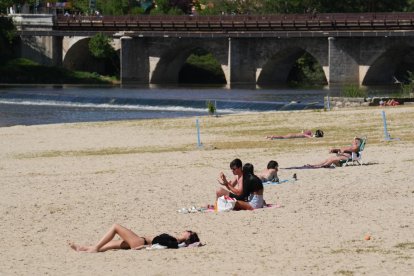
<point>248,169</point>
<point>272,164</point>
<point>236,163</point>
<point>318,133</point>
<point>193,238</point>
<point>251,183</point>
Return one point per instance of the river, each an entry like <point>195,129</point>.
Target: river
<point>32,105</point>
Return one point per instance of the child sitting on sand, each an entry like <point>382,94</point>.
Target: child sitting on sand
<point>270,173</point>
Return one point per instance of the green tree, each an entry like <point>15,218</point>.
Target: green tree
<point>100,47</point>
<point>4,4</point>
<point>302,6</point>
<point>7,37</point>
<point>113,7</point>
<point>81,6</point>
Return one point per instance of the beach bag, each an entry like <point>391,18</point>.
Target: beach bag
<point>225,203</point>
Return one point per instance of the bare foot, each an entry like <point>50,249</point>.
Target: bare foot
<point>74,246</point>
<point>80,248</point>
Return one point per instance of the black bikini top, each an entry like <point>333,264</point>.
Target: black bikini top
<point>166,240</point>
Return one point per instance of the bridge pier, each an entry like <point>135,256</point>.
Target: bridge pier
<point>134,61</point>
<point>242,64</point>
<point>343,57</point>
<point>57,52</point>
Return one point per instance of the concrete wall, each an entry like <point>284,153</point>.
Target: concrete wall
<point>341,102</point>
<point>42,49</point>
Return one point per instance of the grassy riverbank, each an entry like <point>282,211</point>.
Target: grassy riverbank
<point>24,71</point>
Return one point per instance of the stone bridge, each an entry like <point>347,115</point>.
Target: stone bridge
<point>351,48</point>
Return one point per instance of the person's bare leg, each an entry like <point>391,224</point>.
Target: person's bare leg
<point>79,248</point>
<point>222,192</point>
<point>113,244</point>
<point>242,205</point>
<point>106,242</point>
<point>332,160</point>
<point>132,239</point>
<point>325,163</point>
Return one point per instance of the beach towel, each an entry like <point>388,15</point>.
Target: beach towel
<point>307,168</point>
<point>279,182</point>
<point>210,208</point>
<point>181,245</point>
<point>276,205</point>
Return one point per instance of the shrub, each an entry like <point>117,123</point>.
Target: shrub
<point>211,107</point>
<point>353,91</point>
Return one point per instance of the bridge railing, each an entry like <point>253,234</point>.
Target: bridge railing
<point>235,23</point>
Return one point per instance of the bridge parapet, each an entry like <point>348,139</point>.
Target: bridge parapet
<point>33,22</point>
<point>242,23</point>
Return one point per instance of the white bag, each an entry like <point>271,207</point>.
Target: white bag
<point>225,203</point>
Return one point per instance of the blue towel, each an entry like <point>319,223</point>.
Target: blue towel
<point>275,183</point>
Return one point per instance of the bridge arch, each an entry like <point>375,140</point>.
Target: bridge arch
<point>168,61</point>
<point>76,56</point>
<point>277,59</point>
<point>388,65</point>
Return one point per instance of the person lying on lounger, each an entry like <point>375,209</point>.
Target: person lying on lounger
<point>253,188</point>
<point>304,134</point>
<point>343,153</point>
<point>270,173</point>
<point>130,240</point>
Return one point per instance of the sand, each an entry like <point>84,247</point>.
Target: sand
<point>73,181</point>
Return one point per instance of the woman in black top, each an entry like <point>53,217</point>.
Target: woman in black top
<point>252,190</point>
<point>130,240</point>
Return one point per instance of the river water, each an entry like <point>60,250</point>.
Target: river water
<point>32,105</point>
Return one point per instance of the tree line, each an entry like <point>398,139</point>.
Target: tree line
<point>215,7</point>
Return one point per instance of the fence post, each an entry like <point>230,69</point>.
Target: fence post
<point>198,133</point>
<point>386,134</point>
<point>328,103</point>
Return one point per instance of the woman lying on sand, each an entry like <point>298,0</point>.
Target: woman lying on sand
<point>343,153</point>
<point>130,240</point>
<point>303,134</point>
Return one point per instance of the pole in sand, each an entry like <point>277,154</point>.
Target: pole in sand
<point>386,134</point>
<point>328,103</point>
<point>198,133</point>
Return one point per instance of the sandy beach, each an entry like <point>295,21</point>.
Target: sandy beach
<point>73,181</point>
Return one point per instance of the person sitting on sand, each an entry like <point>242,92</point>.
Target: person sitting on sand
<point>303,134</point>
<point>253,187</point>
<point>235,186</point>
<point>270,173</point>
<point>343,153</point>
<point>130,240</point>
